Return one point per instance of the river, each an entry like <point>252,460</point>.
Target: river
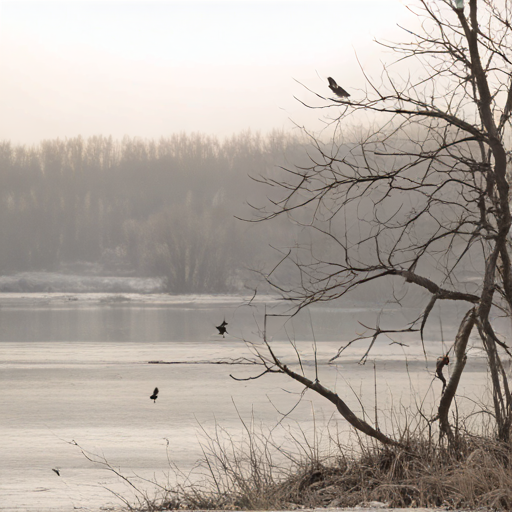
<point>76,374</point>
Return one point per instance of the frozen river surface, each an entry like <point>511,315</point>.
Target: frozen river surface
<point>74,369</point>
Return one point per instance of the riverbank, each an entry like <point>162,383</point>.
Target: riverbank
<point>473,473</point>
<point>364,508</point>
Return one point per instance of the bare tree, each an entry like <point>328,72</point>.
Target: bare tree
<point>194,251</point>
<point>424,198</point>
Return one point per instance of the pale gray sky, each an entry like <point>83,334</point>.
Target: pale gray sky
<point>153,68</point>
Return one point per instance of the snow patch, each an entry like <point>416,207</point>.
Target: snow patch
<point>48,282</point>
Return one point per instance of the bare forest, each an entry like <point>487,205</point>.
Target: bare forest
<point>162,208</point>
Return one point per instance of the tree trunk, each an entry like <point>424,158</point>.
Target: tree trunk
<point>461,342</point>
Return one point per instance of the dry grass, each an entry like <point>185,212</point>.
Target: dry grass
<point>255,472</point>
<point>477,475</point>
<point>244,475</point>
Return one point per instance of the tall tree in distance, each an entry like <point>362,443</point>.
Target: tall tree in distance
<point>424,199</point>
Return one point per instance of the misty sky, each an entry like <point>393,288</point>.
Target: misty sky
<point>151,69</point>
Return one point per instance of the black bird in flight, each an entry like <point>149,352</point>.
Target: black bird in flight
<point>154,396</point>
<point>56,471</point>
<point>336,89</point>
<point>222,328</point>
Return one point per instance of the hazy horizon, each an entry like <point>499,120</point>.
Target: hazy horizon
<point>150,69</point>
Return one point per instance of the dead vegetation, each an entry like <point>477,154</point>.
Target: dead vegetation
<point>420,475</point>
<point>261,472</point>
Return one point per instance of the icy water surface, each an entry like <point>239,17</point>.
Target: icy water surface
<point>74,369</point>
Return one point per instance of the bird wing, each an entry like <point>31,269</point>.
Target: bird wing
<point>155,392</point>
<point>332,82</point>
<point>341,92</point>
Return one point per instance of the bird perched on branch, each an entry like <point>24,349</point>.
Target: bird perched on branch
<point>222,328</point>
<point>336,89</point>
<point>154,396</point>
<point>440,364</point>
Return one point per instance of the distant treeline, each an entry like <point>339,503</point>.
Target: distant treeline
<point>162,207</point>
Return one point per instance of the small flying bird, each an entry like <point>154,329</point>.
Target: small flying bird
<point>154,396</point>
<point>222,328</point>
<point>336,89</point>
<point>56,471</point>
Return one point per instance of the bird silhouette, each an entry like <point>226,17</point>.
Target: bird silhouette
<point>154,396</point>
<point>222,328</point>
<point>56,471</point>
<point>336,89</point>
